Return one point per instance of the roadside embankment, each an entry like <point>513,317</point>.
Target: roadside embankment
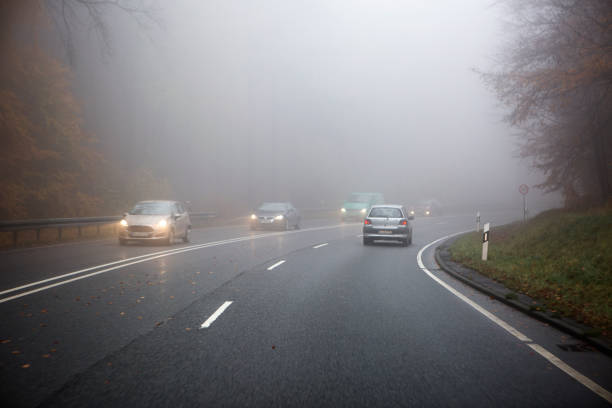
<point>562,259</point>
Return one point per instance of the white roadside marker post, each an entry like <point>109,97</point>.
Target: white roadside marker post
<point>485,241</point>
<point>477,221</point>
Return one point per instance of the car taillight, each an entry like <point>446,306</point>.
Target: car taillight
<point>404,222</point>
<point>367,222</point>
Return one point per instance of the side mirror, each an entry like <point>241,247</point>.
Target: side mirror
<point>176,216</point>
<point>125,214</point>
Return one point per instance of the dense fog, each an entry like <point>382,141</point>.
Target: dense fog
<point>237,102</point>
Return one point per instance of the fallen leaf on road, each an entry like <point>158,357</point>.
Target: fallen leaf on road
<point>43,311</point>
<point>122,314</point>
<point>46,355</point>
<point>15,352</point>
<point>5,341</point>
<point>25,366</point>
<point>273,347</point>
<point>187,328</point>
<point>77,299</point>
<point>171,297</point>
<point>109,364</point>
<point>43,325</point>
<point>139,317</point>
<point>110,303</point>
<point>53,350</point>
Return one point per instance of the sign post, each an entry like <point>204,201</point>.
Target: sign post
<point>524,189</point>
<point>485,241</point>
<point>477,221</point>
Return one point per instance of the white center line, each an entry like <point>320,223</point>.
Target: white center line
<point>276,264</point>
<point>123,263</point>
<point>587,382</point>
<point>215,315</point>
<point>320,245</point>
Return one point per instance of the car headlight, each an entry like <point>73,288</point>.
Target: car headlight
<point>427,212</point>
<point>123,223</point>
<point>162,224</point>
<point>343,210</point>
<point>363,210</point>
<point>411,212</point>
<point>279,217</point>
<point>253,217</point>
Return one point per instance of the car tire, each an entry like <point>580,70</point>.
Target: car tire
<point>170,239</point>
<point>297,225</point>
<point>405,242</point>
<point>122,241</point>
<point>366,241</point>
<point>186,237</point>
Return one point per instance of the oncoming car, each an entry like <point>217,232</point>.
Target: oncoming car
<point>387,222</point>
<point>161,221</point>
<point>357,204</point>
<point>281,215</point>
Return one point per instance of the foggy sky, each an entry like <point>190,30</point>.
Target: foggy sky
<point>246,101</point>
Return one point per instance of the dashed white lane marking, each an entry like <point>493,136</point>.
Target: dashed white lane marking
<point>596,388</point>
<point>138,259</point>
<point>360,235</point>
<point>320,245</point>
<point>276,264</point>
<point>215,315</point>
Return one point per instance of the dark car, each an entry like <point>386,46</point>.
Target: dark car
<point>279,215</point>
<point>387,222</point>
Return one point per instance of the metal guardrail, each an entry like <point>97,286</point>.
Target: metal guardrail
<point>79,223</point>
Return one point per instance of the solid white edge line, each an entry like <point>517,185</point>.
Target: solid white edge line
<point>587,382</point>
<point>320,245</point>
<point>215,315</point>
<point>476,306</point>
<point>276,264</point>
<point>141,258</point>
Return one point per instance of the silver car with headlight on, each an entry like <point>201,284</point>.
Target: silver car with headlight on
<point>387,222</point>
<point>157,220</point>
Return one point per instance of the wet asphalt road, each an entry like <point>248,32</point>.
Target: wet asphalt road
<point>337,325</point>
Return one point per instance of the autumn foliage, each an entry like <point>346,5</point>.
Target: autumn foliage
<point>51,166</point>
<point>556,77</point>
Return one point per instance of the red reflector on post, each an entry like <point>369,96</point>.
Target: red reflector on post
<point>367,222</point>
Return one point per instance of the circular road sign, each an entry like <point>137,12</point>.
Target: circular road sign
<point>523,189</point>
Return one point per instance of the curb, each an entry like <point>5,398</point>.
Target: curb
<point>565,325</point>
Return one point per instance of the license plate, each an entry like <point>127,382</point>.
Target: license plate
<point>385,232</point>
<point>266,221</point>
<point>139,234</point>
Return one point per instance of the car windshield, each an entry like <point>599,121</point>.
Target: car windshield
<point>151,208</point>
<point>386,212</point>
<point>273,207</point>
<point>359,198</point>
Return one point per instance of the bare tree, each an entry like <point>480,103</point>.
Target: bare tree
<point>71,15</point>
<point>556,76</point>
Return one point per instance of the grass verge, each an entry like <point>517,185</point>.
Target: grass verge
<point>563,259</point>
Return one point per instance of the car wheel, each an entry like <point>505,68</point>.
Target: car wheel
<point>297,225</point>
<point>366,241</point>
<point>186,237</point>
<point>122,241</point>
<point>170,238</point>
<point>405,242</point>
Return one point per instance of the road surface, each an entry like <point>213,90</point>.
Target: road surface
<point>298,318</point>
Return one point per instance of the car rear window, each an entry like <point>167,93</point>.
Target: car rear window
<point>386,212</point>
